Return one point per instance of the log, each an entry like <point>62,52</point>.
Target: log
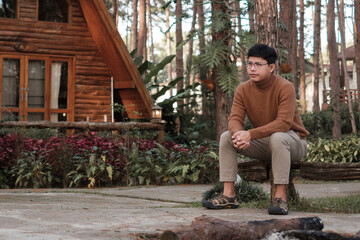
<point>330,171</point>
<point>209,228</point>
<point>312,234</point>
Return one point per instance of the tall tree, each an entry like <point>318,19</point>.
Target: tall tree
<point>168,44</point>
<point>294,50</point>
<point>142,36</point>
<point>266,22</point>
<point>179,52</point>
<point>220,13</point>
<point>287,18</point>
<point>334,68</point>
<point>191,46</point>
<point>150,53</point>
<point>134,26</point>
<point>317,27</point>
<point>237,11</point>
<point>251,13</point>
<point>357,46</point>
<point>343,60</point>
<point>203,70</point>
<point>302,59</point>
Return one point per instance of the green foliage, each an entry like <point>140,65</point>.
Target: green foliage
<point>35,133</point>
<point>220,21</point>
<point>215,54</point>
<point>346,150</point>
<point>229,78</point>
<point>182,164</point>
<point>193,164</point>
<point>91,168</point>
<point>145,167</point>
<point>319,124</point>
<point>245,192</point>
<point>156,68</point>
<point>32,170</point>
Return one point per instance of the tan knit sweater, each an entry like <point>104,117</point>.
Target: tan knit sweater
<point>270,106</point>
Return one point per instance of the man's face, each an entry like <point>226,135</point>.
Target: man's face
<point>258,69</point>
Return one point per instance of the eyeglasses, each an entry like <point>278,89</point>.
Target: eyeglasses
<point>257,65</point>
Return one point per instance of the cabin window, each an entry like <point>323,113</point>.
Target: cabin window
<point>8,8</point>
<point>53,11</point>
<point>59,90</point>
<point>34,88</point>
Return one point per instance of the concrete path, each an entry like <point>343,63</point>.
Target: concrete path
<point>128,212</point>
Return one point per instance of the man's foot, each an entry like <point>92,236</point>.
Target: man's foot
<point>278,207</point>
<point>221,202</point>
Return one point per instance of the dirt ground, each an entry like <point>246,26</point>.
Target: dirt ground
<point>130,212</point>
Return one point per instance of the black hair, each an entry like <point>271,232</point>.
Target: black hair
<point>263,51</point>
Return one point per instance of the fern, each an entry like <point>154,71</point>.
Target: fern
<point>228,78</point>
<point>214,54</point>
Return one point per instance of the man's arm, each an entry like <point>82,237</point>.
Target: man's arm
<point>237,116</point>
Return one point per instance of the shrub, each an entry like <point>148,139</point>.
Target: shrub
<point>344,150</point>
<point>90,160</point>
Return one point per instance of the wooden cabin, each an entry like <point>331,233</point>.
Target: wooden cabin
<point>64,60</point>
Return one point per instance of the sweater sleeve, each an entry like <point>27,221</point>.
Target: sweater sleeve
<point>285,115</point>
<point>237,115</point>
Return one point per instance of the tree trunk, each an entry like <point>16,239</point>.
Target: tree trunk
<point>357,48</point>
<point>179,53</point>
<point>251,13</point>
<point>222,101</point>
<point>266,27</point>
<point>134,33</point>
<point>168,45</point>
<point>150,33</point>
<point>317,24</point>
<point>266,22</point>
<point>209,228</point>
<point>302,59</point>
<point>203,70</point>
<point>190,55</point>
<point>242,53</point>
<point>287,18</point>
<point>334,68</point>
<point>191,46</point>
<point>294,50</point>
<point>142,30</point>
<point>116,12</point>
<point>343,60</point>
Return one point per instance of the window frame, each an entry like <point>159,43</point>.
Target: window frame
<point>23,109</point>
<point>16,14</point>
<point>69,14</point>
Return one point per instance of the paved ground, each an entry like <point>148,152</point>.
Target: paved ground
<point>128,212</point>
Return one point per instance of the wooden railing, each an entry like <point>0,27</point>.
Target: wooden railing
<point>343,98</point>
<point>93,126</point>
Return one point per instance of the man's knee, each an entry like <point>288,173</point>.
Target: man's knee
<point>225,138</point>
<point>278,139</point>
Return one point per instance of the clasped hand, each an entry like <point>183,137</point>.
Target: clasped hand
<point>241,139</point>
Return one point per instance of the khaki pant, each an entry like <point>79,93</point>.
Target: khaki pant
<point>280,148</point>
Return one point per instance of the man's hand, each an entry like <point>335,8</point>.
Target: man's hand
<point>241,139</point>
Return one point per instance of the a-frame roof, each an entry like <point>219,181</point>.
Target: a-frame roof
<point>127,79</point>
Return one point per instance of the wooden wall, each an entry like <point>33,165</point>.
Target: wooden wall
<point>92,76</point>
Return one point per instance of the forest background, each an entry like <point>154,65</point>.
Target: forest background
<point>209,41</point>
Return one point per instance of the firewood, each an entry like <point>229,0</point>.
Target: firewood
<point>311,234</point>
<point>209,228</point>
